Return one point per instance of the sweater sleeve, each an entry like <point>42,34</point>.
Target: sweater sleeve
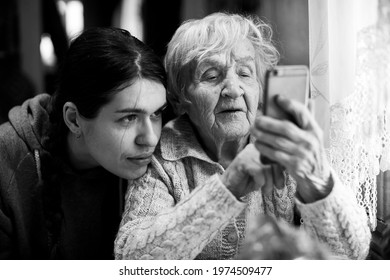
<point>155,227</point>
<point>339,222</point>
<point>280,202</point>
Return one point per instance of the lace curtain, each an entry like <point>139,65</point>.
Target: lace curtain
<point>350,84</point>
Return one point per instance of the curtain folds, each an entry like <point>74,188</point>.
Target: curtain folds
<point>350,85</point>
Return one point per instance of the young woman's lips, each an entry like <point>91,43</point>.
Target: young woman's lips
<point>140,161</point>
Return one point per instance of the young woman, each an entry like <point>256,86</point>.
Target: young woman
<point>63,157</point>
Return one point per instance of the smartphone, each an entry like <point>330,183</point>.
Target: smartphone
<point>291,81</point>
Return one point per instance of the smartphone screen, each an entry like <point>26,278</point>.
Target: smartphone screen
<point>290,81</point>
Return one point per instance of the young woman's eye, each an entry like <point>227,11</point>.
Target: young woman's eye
<point>128,119</point>
<point>158,114</point>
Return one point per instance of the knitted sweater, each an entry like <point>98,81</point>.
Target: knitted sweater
<point>181,210</point>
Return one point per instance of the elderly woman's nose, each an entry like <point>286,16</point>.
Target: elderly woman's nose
<point>148,135</point>
<point>232,87</point>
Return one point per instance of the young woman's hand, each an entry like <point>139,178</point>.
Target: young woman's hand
<point>298,147</point>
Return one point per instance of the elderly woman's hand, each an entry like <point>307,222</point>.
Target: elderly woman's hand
<point>246,173</point>
<point>297,147</point>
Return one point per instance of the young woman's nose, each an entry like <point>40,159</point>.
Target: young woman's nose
<point>232,86</point>
<point>148,135</point>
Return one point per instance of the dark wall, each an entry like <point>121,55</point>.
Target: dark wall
<point>99,12</point>
<point>15,86</point>
<point>161,19</point>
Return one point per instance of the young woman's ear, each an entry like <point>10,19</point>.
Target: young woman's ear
<point>71,116</point>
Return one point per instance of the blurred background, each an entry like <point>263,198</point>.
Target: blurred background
<point>34,34</point>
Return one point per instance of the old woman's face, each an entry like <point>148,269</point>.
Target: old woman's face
<point>224,94</point>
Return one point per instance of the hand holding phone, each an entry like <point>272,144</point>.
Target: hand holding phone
<point>290,81</point>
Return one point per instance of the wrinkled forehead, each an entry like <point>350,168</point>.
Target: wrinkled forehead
<point>239,51</point>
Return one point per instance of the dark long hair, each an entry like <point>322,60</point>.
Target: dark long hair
<point>99,63</point>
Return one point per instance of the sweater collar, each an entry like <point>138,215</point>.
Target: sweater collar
<point>179,140</point>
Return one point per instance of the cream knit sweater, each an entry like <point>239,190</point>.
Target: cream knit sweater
<point>181,210</point>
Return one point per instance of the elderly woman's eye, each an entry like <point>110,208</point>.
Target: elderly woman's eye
<point>211,78</point>
<point>245,73</point>
<point>210,75</point>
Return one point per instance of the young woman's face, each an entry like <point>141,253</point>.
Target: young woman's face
<point>125,133</point>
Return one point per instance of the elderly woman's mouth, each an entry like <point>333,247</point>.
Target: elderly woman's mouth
<point>231,111</point>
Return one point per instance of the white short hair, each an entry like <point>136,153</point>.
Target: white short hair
<point>217,33</point>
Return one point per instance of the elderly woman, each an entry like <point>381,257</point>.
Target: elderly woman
<point>206,180</point>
